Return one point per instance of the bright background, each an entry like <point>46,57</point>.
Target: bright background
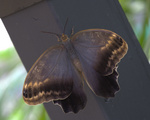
<point>12,75</point>
<point>12,72</point>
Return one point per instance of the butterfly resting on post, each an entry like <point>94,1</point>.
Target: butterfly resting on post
<point>91,55</point>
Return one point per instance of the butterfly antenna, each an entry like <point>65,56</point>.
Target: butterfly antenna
<point>65,26</point>
<point>57,35</point>
<point>51,33</point>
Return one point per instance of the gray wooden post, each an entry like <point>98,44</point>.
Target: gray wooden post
<point>133,100</point>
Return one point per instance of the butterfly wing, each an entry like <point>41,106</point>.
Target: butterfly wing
<point>50,78</point>
<point>77,100</point>
<point>99,52</point>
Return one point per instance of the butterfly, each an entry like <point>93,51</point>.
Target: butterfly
<point>58,75</point>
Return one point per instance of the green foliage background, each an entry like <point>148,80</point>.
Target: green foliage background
<point>12,72</point>
<point>138,14</point>
<point>12,75</point>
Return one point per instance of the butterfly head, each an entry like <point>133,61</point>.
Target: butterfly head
<point>61,38</point>
<point>64,37</point>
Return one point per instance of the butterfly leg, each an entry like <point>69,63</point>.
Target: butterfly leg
<point>72,31</point>
<point>58,39</point>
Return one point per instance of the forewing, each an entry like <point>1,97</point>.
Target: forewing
<point>50,78</point>
<point>99,52</point>
<point>103,49</point>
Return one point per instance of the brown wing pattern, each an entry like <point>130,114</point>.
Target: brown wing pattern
<point>77,99</point>
<point>99,52</point>
<point>50,78</point>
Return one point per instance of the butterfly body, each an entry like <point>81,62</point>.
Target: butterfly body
<point>72,54</point>
<point>92,55</point>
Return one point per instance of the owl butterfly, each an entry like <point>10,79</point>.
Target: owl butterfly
<point>91,55</point>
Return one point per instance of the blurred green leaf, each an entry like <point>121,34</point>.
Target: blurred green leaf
<point>138,14</point>
<point>12,76</point>
<point>8,60</point>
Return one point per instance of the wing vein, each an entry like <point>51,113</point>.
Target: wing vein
<point>97,46</point>
<point>57,60</point>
